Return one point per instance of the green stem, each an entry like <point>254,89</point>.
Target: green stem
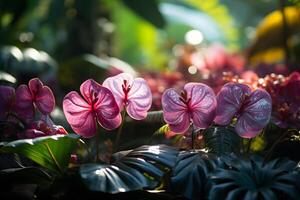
<point>249,146</point>
<point>97,144</point>
<point>53,158</point>
<point>117,141</point>
<point>193,137</point>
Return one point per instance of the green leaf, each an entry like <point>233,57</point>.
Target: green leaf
<point>190,174</point>
<point>147,10</point>
<point>143,167</point>
<point>250,178</point>
<point>52,152</point>
<point>162,130</point>
<point>27,175</point>
<point>222,140</point>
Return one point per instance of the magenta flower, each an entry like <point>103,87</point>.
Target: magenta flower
<point>196,104</point>
<point>7,99</point>
<point>132,94</point>
<point>252,109</point>
<point>97,104</point>
<point>42,127</point>
<point>34,95</point>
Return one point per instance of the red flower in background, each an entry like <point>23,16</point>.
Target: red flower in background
<point>252,109</point>
<point>31,96</point>
<point>285,93</point>
<point>196,104</point>
<point>97,105</point>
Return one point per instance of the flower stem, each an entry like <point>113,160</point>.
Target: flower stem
<point>193,136</point>
<point>117,141</point>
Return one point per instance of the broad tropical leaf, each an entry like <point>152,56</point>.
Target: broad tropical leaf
<point>143,167</point>
<point>254,179</point>
<point>221,140</point>
<point>190,174</point>
<point>52,152</point>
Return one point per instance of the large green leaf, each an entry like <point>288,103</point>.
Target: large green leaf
<point>148,10</point>
<point>52,152</point>
<point>221,140</point>
<point>254,179</point>
<point>190,174</point>
<point>143,167</point>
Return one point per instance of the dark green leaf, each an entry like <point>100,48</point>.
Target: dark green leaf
<point>190,174</point>
<point>147,10</point>
<point>112,179</point>
<point>252,178</point>
<point>143,167</point>
<point>222,140</point>
<point>51,152</point>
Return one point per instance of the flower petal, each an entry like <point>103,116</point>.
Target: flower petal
<point>24,102</point>
<point>139,99</point>
<point>89,90</point>
<point>110,124</point>
<point>175,111</point>
<point>203,104</point>
<point>107,109</point>
<point>7,97</point>
<point>182,124</point>
<point>79,115</point>
<point>114,84</point>
<point>229,100</point>
<point>255,115</point>
<point>43,96</point>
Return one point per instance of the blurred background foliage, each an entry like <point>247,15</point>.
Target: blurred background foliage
<point>67,41</point>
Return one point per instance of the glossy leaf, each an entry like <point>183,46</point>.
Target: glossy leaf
<point>190,174</point>
<point>52,152</point>
<point>252,178</point>
<point>221,140</point>
<point>143,167</point>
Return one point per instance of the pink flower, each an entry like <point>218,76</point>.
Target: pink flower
<point>7,99</point>
<point>252,109</point>
<point>196,103</point>
<point>42,127</point>
<point>35,94</point>
<point>132,94</point>
<point>97,104</point>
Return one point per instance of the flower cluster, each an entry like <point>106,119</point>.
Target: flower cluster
<point>30,105</point>
<point>197,104</point>
<point>103,103</point>
<point>286,98</point>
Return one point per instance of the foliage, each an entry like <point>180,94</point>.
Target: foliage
<point>190,176</point>
<point>143,167</point>
<point>254,179</point>
<point>51,152</point>
<point>222,140</point>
